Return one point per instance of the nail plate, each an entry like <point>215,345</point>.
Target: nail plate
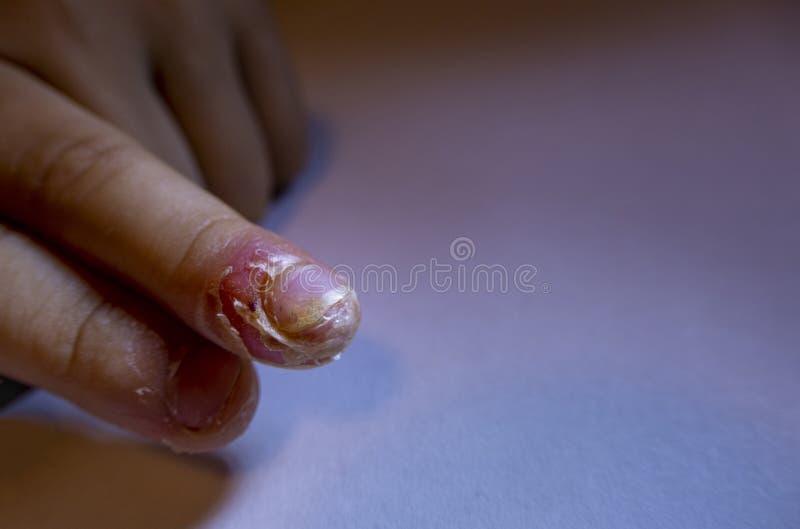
<point>199,389</point>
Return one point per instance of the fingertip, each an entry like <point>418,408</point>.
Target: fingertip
<point>211,399</point>
<point>276,304</point>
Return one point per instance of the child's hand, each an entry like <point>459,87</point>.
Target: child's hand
<point>125,284</point>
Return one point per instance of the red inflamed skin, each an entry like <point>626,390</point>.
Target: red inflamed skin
<point>280,306</point>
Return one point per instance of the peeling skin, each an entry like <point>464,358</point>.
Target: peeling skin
<point>283,308</point>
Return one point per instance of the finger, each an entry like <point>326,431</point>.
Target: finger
<point>82,183</point>
<point>135,108</point>
<point>274,92</point>
<point>116,355</point>
<point>209,101</point>
<point>113,81</point>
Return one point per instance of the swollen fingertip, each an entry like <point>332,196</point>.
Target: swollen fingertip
<point>283,307</point>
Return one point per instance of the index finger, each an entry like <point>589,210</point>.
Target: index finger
<point>81,182</point>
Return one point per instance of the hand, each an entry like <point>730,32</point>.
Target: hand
<point>127,287</point>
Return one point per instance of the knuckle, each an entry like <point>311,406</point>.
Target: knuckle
<point>196,241</point>
<point>62,171</point>
<point>74,354</point>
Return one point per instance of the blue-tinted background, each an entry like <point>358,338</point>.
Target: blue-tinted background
<point>644,157</point>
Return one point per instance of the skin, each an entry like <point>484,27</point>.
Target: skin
<point>136,139</point>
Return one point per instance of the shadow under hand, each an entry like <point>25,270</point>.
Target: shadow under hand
<point>356,386</point>
<point>343,395</point>
<point>59,478</point>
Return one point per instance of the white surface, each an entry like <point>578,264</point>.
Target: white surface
<point>648,164</point>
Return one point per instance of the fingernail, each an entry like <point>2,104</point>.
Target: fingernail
<point>200,388</point>
<point>284,308</point>
<point>315,308</point>
<point>303,297</point>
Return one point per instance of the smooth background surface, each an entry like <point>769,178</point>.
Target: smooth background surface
<point>645,158</point>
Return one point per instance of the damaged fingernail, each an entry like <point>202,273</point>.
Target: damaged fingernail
<point>285,309</point>
<point>200,388</point>
<point>302,298</point>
